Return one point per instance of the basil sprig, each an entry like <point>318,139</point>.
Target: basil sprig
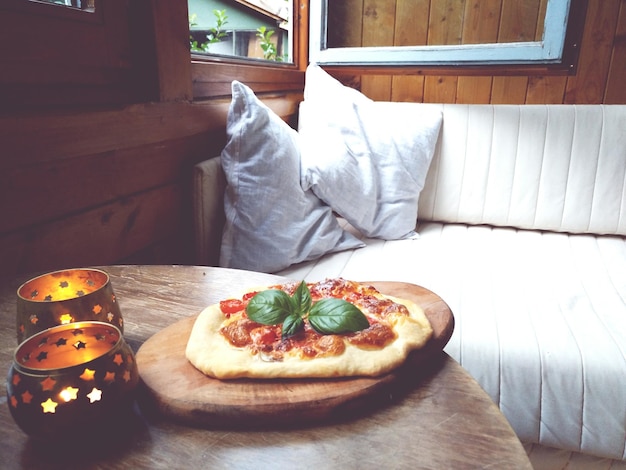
<point>327,316</point>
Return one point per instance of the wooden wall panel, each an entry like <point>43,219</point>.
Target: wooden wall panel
<point>615,89</point>
<point>598,78</point>
<point>94,184</point>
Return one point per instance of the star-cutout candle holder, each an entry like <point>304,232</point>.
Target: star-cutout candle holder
<point>63,297</point>
<point>68,380</point>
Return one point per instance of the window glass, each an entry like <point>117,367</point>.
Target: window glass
<point>253,29</point>
<point>437,32</point>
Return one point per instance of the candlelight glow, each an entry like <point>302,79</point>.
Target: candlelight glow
<point>68,393</point>
<point>49,406</point>
<point>94,395</point>
<point>65,319</point>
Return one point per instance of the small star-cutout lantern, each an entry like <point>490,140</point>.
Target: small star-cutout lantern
<point>49,406</point>
<point>94,395</point>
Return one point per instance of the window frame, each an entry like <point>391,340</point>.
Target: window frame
<point>557,49</point>
<point>212,75</point>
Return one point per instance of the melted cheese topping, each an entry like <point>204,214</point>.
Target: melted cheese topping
<point>267,341</point>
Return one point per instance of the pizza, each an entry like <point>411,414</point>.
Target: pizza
<point>332,328</point>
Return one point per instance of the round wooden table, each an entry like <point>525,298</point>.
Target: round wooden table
<point>440,419</point>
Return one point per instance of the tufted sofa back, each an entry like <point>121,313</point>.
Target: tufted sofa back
<point>546,167</point>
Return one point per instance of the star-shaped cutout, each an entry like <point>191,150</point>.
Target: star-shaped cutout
<point>27,397</point>
<point>16,379</point>
<point>97,309</point>
<point>49,406</point>
<point>42,356</point>
<point>61,342</point>
<point>90,282</point>
<point>33,319</point>
<point>22,328</point>
<point>13,401</point>
<point>63,284</point>
<point>118,359</point>
<point>69,393</point>
<point>47,384</point>
<point>109,377</point>
<point>65,319</point>
<point>88,374</point>
<point>80,293</point>
<point>48,298</point>
<point>127,376</point>
<point>94,395</point>
<point>80,345</point>
<point>110,316</point>
<point>34,294</point>
<point>77,332</point>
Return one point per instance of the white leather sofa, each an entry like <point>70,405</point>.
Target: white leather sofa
<point>522,226</point>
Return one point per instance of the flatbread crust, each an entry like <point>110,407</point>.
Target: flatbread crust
<point>211,353</point>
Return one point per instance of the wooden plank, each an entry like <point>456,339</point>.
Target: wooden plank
<point>615,90</point>
<point>441,89</point>
<point>162,48</point>
<point>445,26</point>
<point>376,87</point>
<point>344,28</point>
<point>379,18</point>
<point>509,90</point>
<point>519,20</point>
<point>473,90</point>
<point>411,29</point>
<point>480,25</point>
<point>408,88</point>
<point>46,191</point>
<point>100,236</point>
<point>211,80</point>
<point>73,134</point>
<point>589,83</point>
<point>445,23</point>
<point>546,90</point>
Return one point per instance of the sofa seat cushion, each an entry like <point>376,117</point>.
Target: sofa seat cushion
<point>540,321</point>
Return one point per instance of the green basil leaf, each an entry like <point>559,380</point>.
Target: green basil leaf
<point>302,299</point>
<point>336,316</point>
<point>269,307</point>
<point>292,324</point>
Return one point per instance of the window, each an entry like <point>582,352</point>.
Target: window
<point>251,29</point>
<point>438,33</point>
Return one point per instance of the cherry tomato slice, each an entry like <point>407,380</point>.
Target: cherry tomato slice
<point>231,305</point>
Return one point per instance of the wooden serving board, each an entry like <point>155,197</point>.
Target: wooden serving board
<point>175,388</point>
